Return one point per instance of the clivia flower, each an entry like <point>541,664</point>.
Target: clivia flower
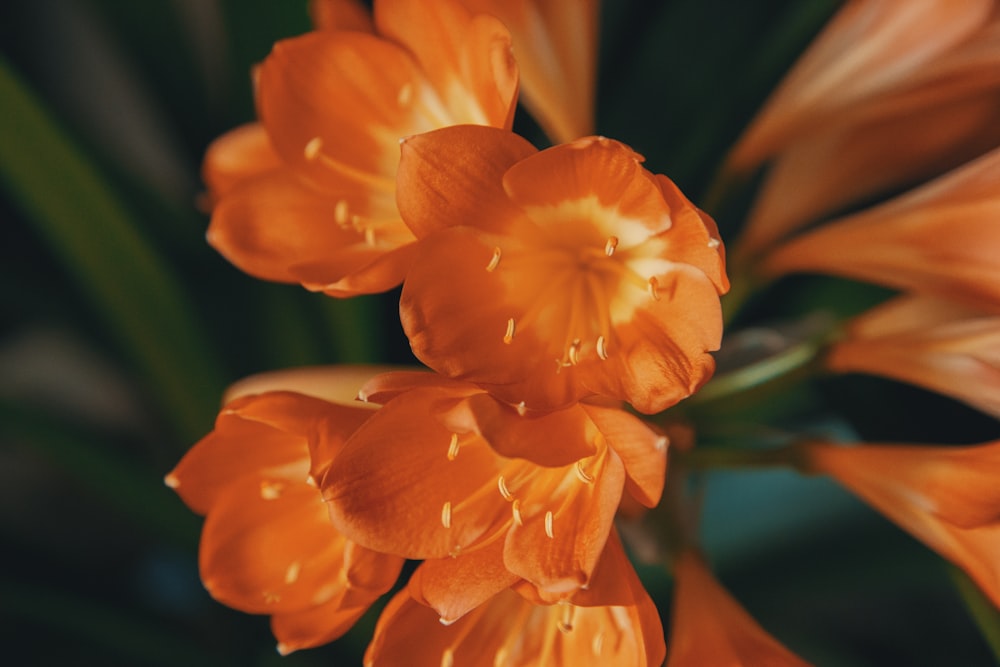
<point>551,276</point>
<point>267,546</point>
<point>308,195</point>
<point>443,470</point>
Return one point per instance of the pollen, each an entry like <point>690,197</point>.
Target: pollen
<point>611,245</point>
<point>582,474</point>
<point>453,447</point>
<point>494,260</point>
<point>654,288</point>
<point>602,348</point>
<point>446,515</point>
<point>271,490</point>
<point>548,524</point>
<point>405,95</point>
<point>509,335</point>
<point>504,491</point>
<point>515,509</point>
<point>340,212</point>
<point>292,573</point>
<point>313,148</point>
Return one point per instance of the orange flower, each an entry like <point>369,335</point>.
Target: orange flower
<point>614,623</point>
<point>709,627</point>
<point>309,197</point>
<point>938,345</point>
<point>550,276</point>
<point>947,497</point>
<point>444,469</point>
<point>891,93</point>
<point>267,546</point>
<point>555,42</point>
<point>939,239</point>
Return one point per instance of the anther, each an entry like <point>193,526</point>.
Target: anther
<point>494,260</point>
<point>363,396</point>
<point>565,625</point>
<point>574,352</point>
<point>582,474</point>
<point>602,348</point>
<point>609,247</point>
<point>453,447</point>
<point>548,524</point>
<point>515,509</point>
<point>521,408</point>
<point>313,148</point>
<point>270,490</point>
<point>446,515</point>
<point>504,491</point>
<point>405,95</point>
<point>340,212</point>
<point>292,573</point>
<point>654,288</point>
<point>509,335</point>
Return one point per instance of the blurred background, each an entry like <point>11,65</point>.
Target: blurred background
<point>121,328</point>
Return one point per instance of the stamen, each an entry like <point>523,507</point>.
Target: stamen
<point>548,524</point>
<point>292,573</point>
<point>654,288</point>
<point>515,509</point>
<point>582,474</point>
<point>448,658</point>
<point>313,148</point>
<point>340,212</point>
<point>566,623</point>
<point>574,352</point>
<point>446,515</point>
<point>609,247</point>
<point>509,335</point>
<point>405,95</point>
<point>494,260</point>
<point>453,447</point>
<point>271,490</point>
<point>602,348</point>
<point>363,396</point>
<point>598,643</point>
<point>504,491</point>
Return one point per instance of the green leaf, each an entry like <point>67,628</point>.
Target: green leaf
<point>982,610</point>
<point>100,246</point>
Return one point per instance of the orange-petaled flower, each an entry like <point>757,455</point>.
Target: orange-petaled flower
<point>550,276</point>
<point>308,195</point>
<point>709,627</point>
<point>940,239</point>
<point>613,623</point>
<point>947,497</point>
<point>555,43</point>
<point>892,93</point>
<point>267,546</point>
<point>935,344</point>
<point>443,469</point>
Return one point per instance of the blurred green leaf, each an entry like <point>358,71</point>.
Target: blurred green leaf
<point>986,616</point>
<point>99,244</point>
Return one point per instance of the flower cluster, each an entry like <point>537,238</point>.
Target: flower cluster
<point>560,297</point>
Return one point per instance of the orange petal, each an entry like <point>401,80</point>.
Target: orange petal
<point>710,628</point>
<point>268,547</point>
<point>934,344</point>
<point>556,46</point>
<point>387,386</point>
<point>336,384</point>
<point>399,487</point>
<point>455,586</point>
<point>237,155</point>
<point>919,241</point>
<point>556,546</point>
<point>867,49</point>
<point>357,270</point>
<point>253,436</point>
<point>642,450</point>
<point>340,15</point>
<point>467,59</point>
<point>694,235</point>
<point>452,177</point>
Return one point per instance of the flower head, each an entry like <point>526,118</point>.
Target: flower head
<point>267,546</point>
<point>570,272</point>
<point>312,199</point>
<point>947,497</point>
